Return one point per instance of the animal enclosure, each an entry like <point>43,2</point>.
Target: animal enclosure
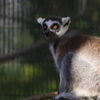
<point>34,73</point>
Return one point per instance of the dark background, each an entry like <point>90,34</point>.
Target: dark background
<point>35,73</point>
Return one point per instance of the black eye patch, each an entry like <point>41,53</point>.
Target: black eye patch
<point>55,26</point>
<point>66,23</point>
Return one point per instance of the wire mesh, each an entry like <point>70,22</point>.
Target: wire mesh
<point>35,73</point>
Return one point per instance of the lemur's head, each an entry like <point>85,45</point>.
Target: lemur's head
<point>54,25</point>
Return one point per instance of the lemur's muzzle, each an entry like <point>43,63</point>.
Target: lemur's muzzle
<point>49,33</point>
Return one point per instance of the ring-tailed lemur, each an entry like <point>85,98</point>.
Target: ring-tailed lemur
<point>77,57</point>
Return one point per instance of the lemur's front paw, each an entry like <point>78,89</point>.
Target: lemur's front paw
<point>64,96</point>
<point>58,98</point>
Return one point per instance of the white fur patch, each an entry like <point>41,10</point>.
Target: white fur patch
<point>65,19</point>
<point>40,20</point>
<point>63,30</point>
<point>50,23</point>
<point>53,54</point>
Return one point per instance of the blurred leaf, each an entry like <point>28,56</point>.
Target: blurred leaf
<point>82,24</point>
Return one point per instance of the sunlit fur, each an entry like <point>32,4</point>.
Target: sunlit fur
<point>78,61</point>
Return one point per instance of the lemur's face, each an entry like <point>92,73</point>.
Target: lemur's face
<point>54,25</point>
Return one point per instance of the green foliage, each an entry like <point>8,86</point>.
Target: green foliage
<point>35,73</point>
<point>27,77</point>
<point>82,24</point>
<point>25,39</point>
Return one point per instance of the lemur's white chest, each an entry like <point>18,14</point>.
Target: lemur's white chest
<point>51,47</point>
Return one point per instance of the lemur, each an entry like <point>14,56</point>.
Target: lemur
<point>77,58</point>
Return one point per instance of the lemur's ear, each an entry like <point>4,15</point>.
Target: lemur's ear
<point>40,20</point>
<point>66,21</point>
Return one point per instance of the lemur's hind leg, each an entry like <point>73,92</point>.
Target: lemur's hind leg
<point>64,83</point>
<point>63,86</point>
<point>70,70</point>
<point>98,97</point>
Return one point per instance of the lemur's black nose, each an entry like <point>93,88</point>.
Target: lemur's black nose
<point>47,32</point>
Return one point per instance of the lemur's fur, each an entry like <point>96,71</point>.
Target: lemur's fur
<point>77,58</point>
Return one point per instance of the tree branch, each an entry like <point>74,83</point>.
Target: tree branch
<point>31,48</point>
<point>50,95</point>
<point>35,46</point>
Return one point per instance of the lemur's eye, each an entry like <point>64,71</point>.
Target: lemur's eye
<point>55,26</point>
<point>44,27</point>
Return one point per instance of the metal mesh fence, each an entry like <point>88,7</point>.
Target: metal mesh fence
<point>34,73</point>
